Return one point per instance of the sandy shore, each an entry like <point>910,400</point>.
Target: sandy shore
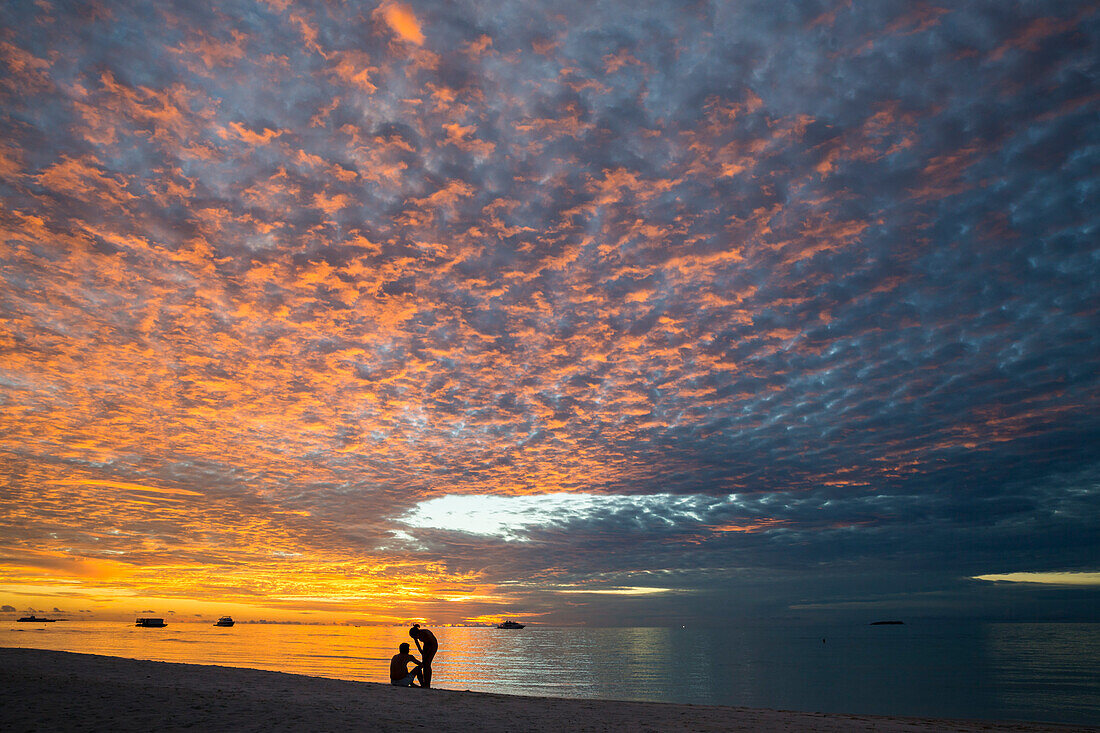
<point>61,691</point>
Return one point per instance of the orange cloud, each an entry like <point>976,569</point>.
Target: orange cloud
<point>20,561</point>
<point>354,68</point>
<point>83,179</point>
<point>123,485</point>
<point>462,137</point>
<point>11,162</point>
<point>403,22</point>
<point>255,138</point>
<point>331,204</point>
<point>212,51</point>
<point>26,72</point>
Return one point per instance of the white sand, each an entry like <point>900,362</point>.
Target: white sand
<point>61,691</point>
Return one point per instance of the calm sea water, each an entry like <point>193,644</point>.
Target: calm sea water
<point>1039,672</point>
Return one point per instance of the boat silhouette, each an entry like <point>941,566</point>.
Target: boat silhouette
<point>150,623</point>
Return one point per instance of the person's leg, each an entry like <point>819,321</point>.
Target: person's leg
<point>418,672</point>
<point>428,671</point>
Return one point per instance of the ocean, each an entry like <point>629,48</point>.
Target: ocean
<point>1007,671</point>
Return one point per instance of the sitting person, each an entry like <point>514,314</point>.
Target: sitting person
<point>400,676</point>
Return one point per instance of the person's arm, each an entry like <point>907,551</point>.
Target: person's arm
<point>418,647</point>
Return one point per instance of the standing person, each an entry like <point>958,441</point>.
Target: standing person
<point>400,676</point>
<point>427,645</point>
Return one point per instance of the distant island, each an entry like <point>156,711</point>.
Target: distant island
<point>34,619</point>
<point>887,623</point>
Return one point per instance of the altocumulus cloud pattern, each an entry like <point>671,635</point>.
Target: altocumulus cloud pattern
<point>447,309</point>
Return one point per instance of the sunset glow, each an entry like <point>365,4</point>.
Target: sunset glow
<point>455,312</point>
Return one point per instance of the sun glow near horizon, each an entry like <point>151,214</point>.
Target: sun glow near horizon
<point>1072,577</point>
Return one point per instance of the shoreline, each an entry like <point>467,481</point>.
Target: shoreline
<point>58,691</point>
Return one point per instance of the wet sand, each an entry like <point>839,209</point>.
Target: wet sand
<point>62,691</point>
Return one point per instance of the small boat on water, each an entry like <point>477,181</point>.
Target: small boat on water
<point>509,625</point>
<point>224,621</point>
<point>150,623</point>
<point>35,620</point>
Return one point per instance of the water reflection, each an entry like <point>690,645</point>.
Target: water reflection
<point>1030,672</point>
<point>1065,656</point>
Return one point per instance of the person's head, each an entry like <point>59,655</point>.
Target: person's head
<point>414,631</point>
<point>404,647</point>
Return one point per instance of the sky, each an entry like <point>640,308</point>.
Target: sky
<point>612,313</point>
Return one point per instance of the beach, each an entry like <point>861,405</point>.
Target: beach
<point>63,691</point>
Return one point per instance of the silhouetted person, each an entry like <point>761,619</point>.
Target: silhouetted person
<point>427,645</point>
<point>400,676</point>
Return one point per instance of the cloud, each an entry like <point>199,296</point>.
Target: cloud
<point>632,591</point>
<point>128,487</point>
<point>321,295</point>
<point>508,517</point>
<point>402,21</point>
<point>1072,578</point>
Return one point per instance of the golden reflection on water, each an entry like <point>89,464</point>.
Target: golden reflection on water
<point>543,661</point>
<point>344,652</point>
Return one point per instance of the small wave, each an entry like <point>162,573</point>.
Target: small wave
<point>342,656</point>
